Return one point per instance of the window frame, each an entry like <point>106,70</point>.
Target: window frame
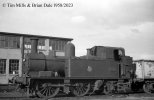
<point>4,63</point>
<point>57,45</point>
<point>11,42</point>
<point>14,64</point>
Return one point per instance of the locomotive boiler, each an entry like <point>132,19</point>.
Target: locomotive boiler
<point>102,70</point>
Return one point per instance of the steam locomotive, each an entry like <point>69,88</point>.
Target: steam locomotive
<point>103,70</point>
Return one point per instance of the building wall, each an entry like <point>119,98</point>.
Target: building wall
<point>46,46</point>
<point>10,52</point>
<point>13,57</point>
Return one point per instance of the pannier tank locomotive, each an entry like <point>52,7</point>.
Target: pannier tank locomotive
<point>102,70</point>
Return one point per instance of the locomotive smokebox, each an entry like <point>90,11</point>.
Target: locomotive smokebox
<point>34,42</point>
<point>69,50</point>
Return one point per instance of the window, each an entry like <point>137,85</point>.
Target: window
<point>27,43</point>
<point>41,44</point>
<point>93,51</point>
<point>57,45</point>
<point>13,66</point>
<point>27,46</point>
<point>2,66</point>
<point>9,41</point>
<point>116,55</point>
<point>52,45</point>
<point>120,52</point>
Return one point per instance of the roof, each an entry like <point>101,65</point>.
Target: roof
<point>111,47</point>
<point>144,60</point>
<point>39,36</point>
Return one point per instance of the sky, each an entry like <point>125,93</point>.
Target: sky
<point>117,23</point>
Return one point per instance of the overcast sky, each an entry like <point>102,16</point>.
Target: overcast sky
<point>117,23</point>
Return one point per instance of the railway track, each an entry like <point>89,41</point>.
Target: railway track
<point>131,96</point>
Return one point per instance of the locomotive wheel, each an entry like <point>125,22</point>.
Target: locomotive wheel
<point>147,88</point>
<point>21,88</point>
<point>81,89</point>
<point>108,88</point>
<point>45,90</point>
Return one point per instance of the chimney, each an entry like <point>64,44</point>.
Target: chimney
<point>34,43</point>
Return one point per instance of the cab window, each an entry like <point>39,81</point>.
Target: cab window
<point>117,54</point>
<point>93,51</point>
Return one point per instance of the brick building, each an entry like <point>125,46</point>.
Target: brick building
<point>14,46</point>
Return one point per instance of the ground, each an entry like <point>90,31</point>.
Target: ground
<point>132,96</point>
<point>9,93</point>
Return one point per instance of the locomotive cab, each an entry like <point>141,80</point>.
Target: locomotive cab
<point>106,52</point>
<point>114,55</point>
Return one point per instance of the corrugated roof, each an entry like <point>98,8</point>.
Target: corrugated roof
<point>31,35</point>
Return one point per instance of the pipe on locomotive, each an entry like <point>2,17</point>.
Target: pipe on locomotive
<point>34,44</point>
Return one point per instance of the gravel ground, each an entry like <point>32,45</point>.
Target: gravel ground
<point>136,96</point>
